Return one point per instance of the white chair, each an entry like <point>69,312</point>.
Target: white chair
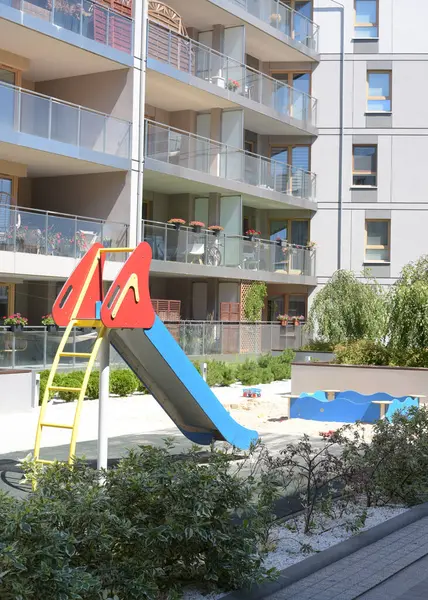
<point>197,252</point>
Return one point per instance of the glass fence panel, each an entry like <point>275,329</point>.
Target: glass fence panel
<point>30,234</point>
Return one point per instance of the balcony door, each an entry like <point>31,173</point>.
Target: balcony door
<point>292,98</point>
<point>289,169</point>
<point>7,298</point>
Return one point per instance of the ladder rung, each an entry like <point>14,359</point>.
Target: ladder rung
<point>57,425</point>
<point>77,354</point>
<point>88,323</point>
<point>43,461</point>
<point>61,388</point>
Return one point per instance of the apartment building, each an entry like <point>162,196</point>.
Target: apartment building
<point>289,118</point>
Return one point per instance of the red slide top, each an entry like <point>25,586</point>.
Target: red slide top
<point>67,299</point>
<point>127,304</point>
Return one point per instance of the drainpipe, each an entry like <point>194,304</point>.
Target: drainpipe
<point>342,133</point>
<point>141,124</point>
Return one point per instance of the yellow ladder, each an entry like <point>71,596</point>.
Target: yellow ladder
<point>91,356</point>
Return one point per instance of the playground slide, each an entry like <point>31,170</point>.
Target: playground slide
<point>163,367</point>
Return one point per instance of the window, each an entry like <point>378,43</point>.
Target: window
<point>364,166</point>
<point>291,181</point>
<point>377,241</point>
<point>366,19</point>
<point>379,91</point>
<point>295,231</point>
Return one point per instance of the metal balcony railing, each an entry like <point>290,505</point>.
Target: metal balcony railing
<point>56,234</point>
<point>284,19</point>
<point>83,17</point>
<point>35,114</point>
<point>184,245</point>
<point>220,70</point>
<point>35,347</point>
<point>177,147</point>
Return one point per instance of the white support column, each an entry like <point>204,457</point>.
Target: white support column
<point>102,450</point>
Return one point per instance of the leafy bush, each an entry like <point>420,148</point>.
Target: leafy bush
<point>362,352</point>
<point>93,389</point>
<point>220,373</point>
<point>72,379</point>
<point>156,525</point>
<point>394,466</point>
<point>266,376</point>
<point>255,301</point>
<point>317,346</point>
<point>229,374</point>
<point>122,382</point>
<point>43,381</point>
<point>249,373</point>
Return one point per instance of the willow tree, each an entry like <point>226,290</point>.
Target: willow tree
<point>408,308</point>
<point>349,309</point>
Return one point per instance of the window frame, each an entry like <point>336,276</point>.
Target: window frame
<point>354,172</point>
<point>367,25</point>
<point>11,295</point>
<point>374,98</point>
<point>377,247</point>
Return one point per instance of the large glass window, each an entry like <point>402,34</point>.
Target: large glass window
<point>364,166</point>
<point>377,241</point>
<point>366,19</point>
<point>290,177</point>
<point>379,91</point>
<point>290,230</point>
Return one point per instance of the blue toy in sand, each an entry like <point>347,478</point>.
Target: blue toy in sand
<point>347,407</point>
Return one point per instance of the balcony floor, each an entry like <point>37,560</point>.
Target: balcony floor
<point>173,90</point>
<point>172,179</point>
<point>45,163</point>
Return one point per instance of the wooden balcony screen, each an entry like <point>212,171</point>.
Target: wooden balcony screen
<point>230,311</point>
<point>172,49</point>
<point>167,310</point>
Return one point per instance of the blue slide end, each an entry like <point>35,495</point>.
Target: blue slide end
<point>230,430</point>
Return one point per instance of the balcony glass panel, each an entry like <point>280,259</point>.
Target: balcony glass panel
<point>41,116</point>
<point>224,72</point>
<point>187,150</point>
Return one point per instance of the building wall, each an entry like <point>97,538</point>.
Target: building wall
<point>401,138</point>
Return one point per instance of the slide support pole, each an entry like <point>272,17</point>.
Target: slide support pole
<point>102,452</point>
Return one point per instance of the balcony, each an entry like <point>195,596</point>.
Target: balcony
<point>272,28</point>
<point>39,131</point>
<point>184,251</point>
<point>284,20</point>
<point>181,162</point>
<point>210,72</point>
<point>41,243</point>
<point>106,35</point>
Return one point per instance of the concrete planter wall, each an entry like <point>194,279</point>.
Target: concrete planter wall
<point>397,381</point>
<point>19,390</point>
<point>303,356</point>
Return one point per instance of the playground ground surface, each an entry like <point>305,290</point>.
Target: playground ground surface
<point>142,419</point>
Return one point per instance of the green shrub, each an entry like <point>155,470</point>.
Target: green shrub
<point>71,379</point>
<point>214,373</point>
<point>140,387</point>
<point>279,366</point>
<point>93,389</point>
<point>197,366</point>
<point>229,374</point>
<point>122,382</point>
<point>249,373</point>
<point>362,352</point>
<point>317,346</point>
<point>156,525</point>
<point>267,376</point>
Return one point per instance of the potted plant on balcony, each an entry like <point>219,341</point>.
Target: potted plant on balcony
<point>49,323</point>
<point>283,319</point>
<point>252,234</point>
<point>216,229</point>
<point>16,322</point>
<point>232,85</point>
<point>177,223</point>
<point>197,226</point>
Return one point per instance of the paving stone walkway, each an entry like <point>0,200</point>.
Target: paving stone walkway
<point>394,568</point>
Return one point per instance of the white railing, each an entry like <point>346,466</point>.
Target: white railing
<point>184,149</point>
<point>204,247</point>
<point>83,17</point>
<point>35,114</point>
<point>220,70</point>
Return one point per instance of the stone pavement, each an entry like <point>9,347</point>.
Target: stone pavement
<point>394,568</point>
